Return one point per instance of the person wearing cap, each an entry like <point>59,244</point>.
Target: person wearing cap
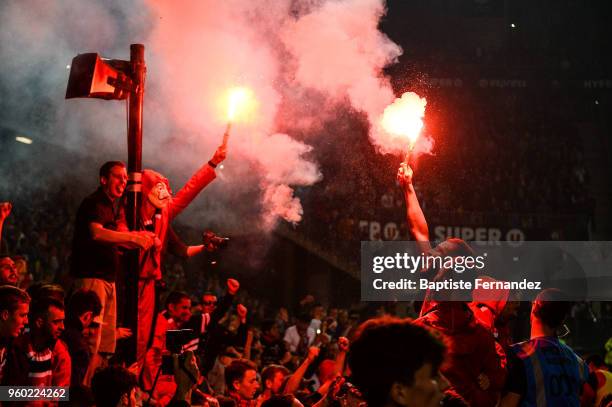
<point>473,367</point>
<point>544,371</point>
<point>159,207</point>
<point>83,312</point>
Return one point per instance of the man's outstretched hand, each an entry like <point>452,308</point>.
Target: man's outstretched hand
<point>404,175</point>
<point>219,155</point>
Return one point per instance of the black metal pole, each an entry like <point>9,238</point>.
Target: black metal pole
<point>134,192</point>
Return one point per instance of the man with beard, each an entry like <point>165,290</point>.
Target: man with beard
<point>8,271</point>
<point>42,359</point>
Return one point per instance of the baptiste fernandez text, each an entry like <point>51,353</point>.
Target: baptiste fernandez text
<point>451,284</point>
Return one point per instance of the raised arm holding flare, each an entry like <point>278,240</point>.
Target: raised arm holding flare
<point>159,207</point>
<point>472,360</point>
<point>417,223</point>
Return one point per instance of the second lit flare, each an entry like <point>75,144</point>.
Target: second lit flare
<point>404,118</point>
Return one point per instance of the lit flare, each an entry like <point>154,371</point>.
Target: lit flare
<point>238,100</point>
<point>404,117</point>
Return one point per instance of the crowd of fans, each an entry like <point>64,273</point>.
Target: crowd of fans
<point>214,345</point>
<point>311,355</point>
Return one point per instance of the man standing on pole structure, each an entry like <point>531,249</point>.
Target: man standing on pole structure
<point>157,210</point>
<point>95,77</point>
<point>154,212</point>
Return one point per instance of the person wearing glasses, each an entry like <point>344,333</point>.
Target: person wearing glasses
<point>543,371</point>
<point>212,312</point>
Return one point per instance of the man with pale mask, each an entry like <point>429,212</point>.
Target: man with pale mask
<point>159,207</point>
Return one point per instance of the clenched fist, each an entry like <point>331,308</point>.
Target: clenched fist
<point>232,286</point>
<point>242,312</point>
<point>404,175</point>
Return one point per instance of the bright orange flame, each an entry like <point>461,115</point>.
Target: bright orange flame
<point>404,117</point>
<point>237,98</point>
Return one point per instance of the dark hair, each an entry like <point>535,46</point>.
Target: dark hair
<point>39,291</point>
<point>304,317</point>
<point>270,371</point>
<point>110,383</point>
<point>388,350</point>
<point>267,324</point>
<point>279,401</point>
<point>80,396</point>
<point>175,297</point>
<point>236,371</point>
<point>40,307</point>
<point>550,308</point>
<point>108,166</point>
<point>83,301</point>
<point>11,297</point>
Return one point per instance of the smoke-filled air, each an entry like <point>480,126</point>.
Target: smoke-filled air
<point>298,60</point>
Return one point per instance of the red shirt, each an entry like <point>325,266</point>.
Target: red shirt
<point>151,268</point>
<point>46,367</point>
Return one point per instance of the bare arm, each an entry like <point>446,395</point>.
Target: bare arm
<point>343,347</point>
<point>510,400</point>
<point>177,247</point>
<point>293,384</point>
<point>417,223</point>
<point>5,210</point>
<point>130,240</point>
<point>248,344</point>
<point>198,181</point>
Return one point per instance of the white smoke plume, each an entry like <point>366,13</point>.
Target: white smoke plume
<point>309,56</point>
<point>341,53</point>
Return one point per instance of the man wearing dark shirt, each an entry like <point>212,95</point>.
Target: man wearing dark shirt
<point>100,230</point>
